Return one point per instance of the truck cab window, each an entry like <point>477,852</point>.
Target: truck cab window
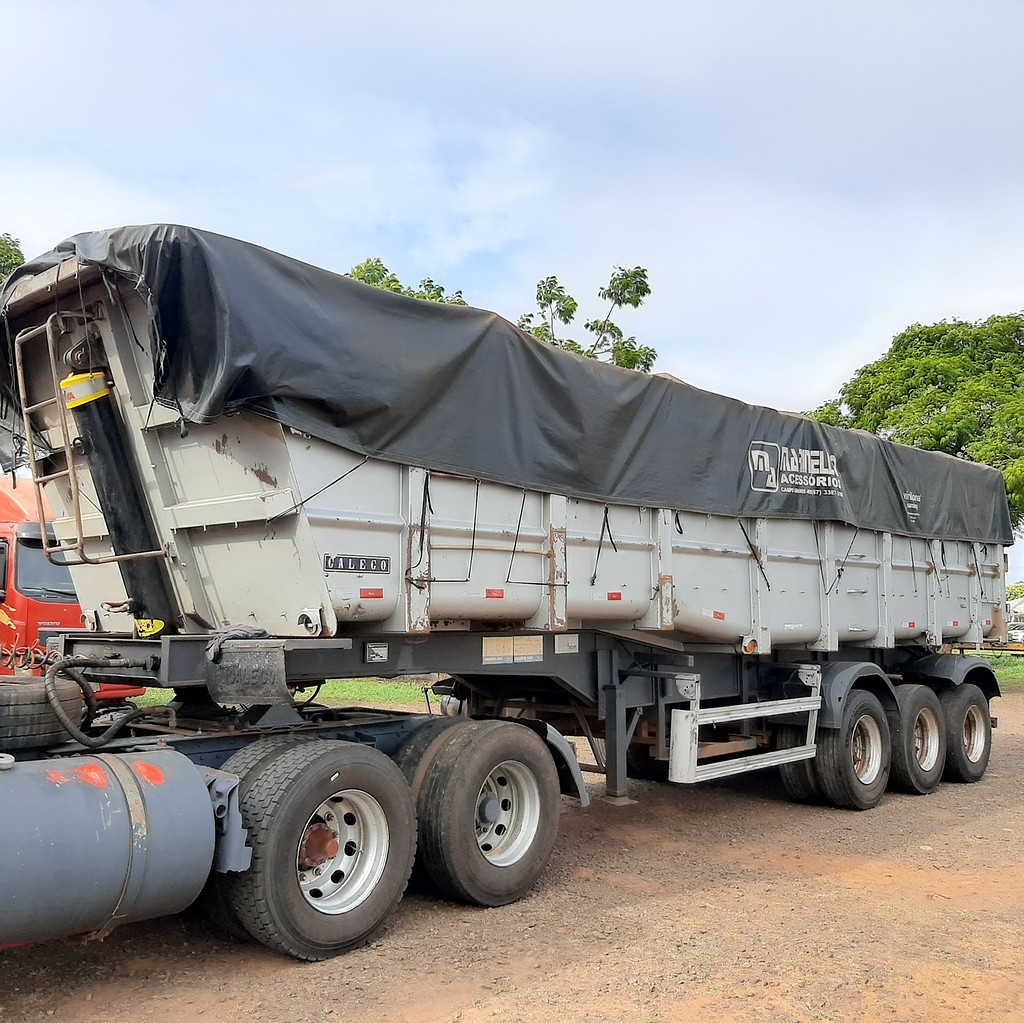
<point>39,578</point>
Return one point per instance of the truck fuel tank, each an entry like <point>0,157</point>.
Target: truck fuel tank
<point>92,842</point>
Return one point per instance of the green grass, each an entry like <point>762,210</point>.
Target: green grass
<point>342,691</point>
<point>336,693</point>
<point>1009,670</point>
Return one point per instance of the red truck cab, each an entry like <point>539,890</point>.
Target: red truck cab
<point>35,594</point>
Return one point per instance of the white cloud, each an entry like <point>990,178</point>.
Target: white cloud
<point>801,179</point>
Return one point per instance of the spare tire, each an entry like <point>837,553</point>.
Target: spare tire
<point>27,720</point>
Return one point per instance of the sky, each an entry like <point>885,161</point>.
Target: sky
<point>802,179</point>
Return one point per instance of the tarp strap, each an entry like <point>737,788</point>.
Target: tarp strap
<point>842,564</point>
<point>757,554</point>
<point>606,527</point>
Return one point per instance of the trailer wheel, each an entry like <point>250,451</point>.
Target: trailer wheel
<point>968,733</point>
<point>488,810</point>
<point>640,765</point>
<point>213,900</point>
<point>854,760</point>
<point>26,719</point>
<point>918,733</point>
<point>333,832</point>
<point>798,777</point>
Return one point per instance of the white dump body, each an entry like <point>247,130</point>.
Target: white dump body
<point>271,528</point>
<point>268,527</point>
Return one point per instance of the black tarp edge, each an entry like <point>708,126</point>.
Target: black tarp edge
<point>458,389</point>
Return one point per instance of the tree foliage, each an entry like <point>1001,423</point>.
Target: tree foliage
<point>373,271</point>
<point>555,307</point>
<point>1014,591</point>
<point>11,255</point>
<point>606,341</point>
<point>952,386</point>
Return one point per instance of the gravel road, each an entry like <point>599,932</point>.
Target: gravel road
<point>717,903</point>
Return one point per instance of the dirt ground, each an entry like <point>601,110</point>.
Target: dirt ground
<point>718,903</point>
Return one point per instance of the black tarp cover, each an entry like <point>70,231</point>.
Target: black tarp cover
<point>462,390</point>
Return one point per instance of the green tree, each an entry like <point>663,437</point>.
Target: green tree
<point>555,306</point>
<point>607,341</point>
<point>373,271</point>
<point>952,386</point>
<point>1014,591</point>
<point>11,255</point>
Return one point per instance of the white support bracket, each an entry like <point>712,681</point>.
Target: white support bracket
<point>684,748</point>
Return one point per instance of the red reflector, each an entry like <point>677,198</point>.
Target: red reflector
<point>911,625</point>
<point>718,615</point>
<point>956,625</point>
<point>494,593</point>
<point>370,593</point>
<point>615,596</point>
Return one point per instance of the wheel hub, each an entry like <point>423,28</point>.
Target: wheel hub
<point>319,845</point>
<point>342,851</point>
<point>866,749</point>
<point>489,810</point>
<point>508,813</point>
<point>974,735</point>
<point>926,739</point>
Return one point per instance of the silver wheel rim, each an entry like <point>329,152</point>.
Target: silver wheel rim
<point>507,813</point>
<point>342,851</point>
<point>866,749</point>
<point>974,734</point>
<point>926,739</point>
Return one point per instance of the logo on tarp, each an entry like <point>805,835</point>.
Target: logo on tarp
<point>912,504</point>
<point>775,468</point>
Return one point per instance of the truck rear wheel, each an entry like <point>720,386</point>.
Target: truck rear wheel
<point>968,733</point>
<point>798,777</point>
<point>918,733</point>
<point>333,832</point>
<point>416,752</point>
<point>213,900</point>
<point>488,812</point>
<point>854,760</point>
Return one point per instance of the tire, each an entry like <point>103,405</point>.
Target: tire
<point>968,733</point>
<point>488,812</point>
<point>213,901</point>
<point>798,777</point>
<point>333,832</point>
<point>416,752</point>
<point>918,731</point>
<point>854,760</point>
<point>640,765</point>
<point>27,720</point>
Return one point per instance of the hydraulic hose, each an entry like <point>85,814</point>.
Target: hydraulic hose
<point>71,667</point>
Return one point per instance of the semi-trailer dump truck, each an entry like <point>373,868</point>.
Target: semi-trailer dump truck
<point>265,475</point>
